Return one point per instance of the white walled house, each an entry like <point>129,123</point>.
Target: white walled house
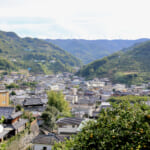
<point>68,125</point>
<point>119,87</point>
<point>104,105</point>
<point>72,98</point>
<point>46,142</point>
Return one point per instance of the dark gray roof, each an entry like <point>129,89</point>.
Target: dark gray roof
<point>87,101</point>
<point>32,102</point>
<point>72,121</point>
<point>9,112</point>
<point>48,139</point>
<point>16,114</point>
<point>6,112</point>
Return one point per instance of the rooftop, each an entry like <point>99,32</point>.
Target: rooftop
<point>47,139</point>
<point>73,121</point>
<point>32,101</point>
<point>9,112</point>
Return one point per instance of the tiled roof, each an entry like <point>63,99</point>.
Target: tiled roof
<point>32,101</point>
<point>47,139</point>
<point>16,114</point>
<point>73,121</point>
<point>9,112</point>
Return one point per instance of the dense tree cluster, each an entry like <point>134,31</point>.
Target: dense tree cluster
<point>125,126</point>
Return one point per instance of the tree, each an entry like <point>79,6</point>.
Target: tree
<point>124,126</point>
<point>11,86</point>
<point>52,110</point>
<point>18,107</point>
<point>57,100</point>
<point>13,93</point>
<point>50,116</point>
<point>49,120</point>
<point>2,119</point>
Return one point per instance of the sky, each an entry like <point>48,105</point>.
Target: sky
<point>79,19</point>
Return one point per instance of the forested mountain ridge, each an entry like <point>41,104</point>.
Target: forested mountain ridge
<point>90,50</point>
<point>131,66</point>
<point>34,54</point>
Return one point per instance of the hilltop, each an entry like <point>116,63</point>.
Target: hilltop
<point>33,54</point>
<point>129,66</point>
<point>90,50</point>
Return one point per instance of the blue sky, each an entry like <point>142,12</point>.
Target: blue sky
<point>88,19</point>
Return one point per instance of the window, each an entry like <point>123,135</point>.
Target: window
<point>73,126</point>
<point>44,148</point>
<point>4,94</point>
<point>3,102</point>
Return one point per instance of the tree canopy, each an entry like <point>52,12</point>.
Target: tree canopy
<point>57,107</point>
<point>57,100</point>
<point>125,126</point>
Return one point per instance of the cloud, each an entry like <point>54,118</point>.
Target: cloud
<point>90,19</point>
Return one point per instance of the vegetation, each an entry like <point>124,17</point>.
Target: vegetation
<point>27,115</point>
<point>35,55</point>
<point>57,100</point>
<point>132,99</point>
<point>29,84</point>
<point>50,115</point>
<point>130,66</point>
<point>13,93</point>
<point>18,108</point>
<point>2,119</point>
<point>12,86</point>
<point>125,126</point>
<point>57,107</point>
<point>90,50</point>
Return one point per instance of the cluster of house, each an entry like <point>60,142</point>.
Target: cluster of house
<point>13,122</point>
<point>86,99</point>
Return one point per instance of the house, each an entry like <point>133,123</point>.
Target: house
<point>72,98</point>
<point>104,105</point>
<point>13,122</point>
<point>34,104</point>
<point>68,125</point>
<point>45,142</point>
<point>119,93</point>
<point>119,87</point>
<point>4,98</point>
<point>89,93</point>
<point>2,87</point>
<point>54,87</point>
<point>31,102</point>
<point>84,107</point>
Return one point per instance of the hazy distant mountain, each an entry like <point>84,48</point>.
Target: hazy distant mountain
<point>33,54</point>
<point>131,66</point>
<point>90,50</point>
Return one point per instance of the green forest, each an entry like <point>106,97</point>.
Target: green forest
<point>33,54</point>
<point>130,66</point>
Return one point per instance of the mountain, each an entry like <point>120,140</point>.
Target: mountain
<point>33,54</point>
<point>90,50</point>
<point>131,66</point>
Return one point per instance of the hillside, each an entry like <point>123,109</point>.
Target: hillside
<point>129,66</point>
<point>90,50</point>
<point>33,54</point>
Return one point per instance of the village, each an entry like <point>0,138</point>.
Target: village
<point>22,94</point>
